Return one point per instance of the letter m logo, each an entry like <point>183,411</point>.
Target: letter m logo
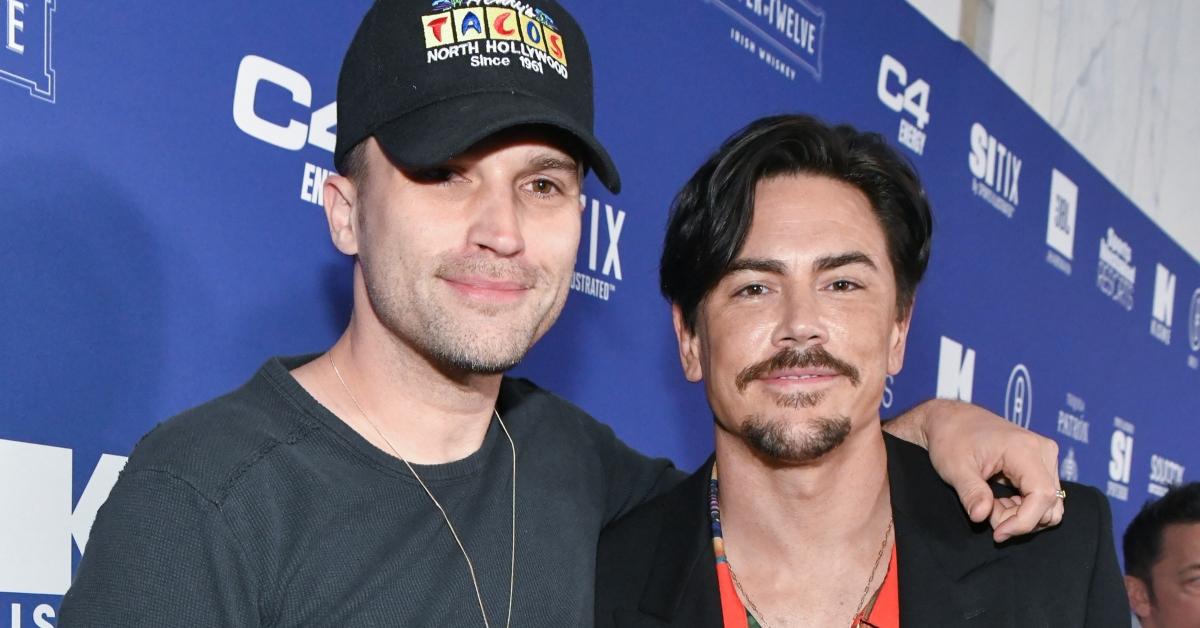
<point>1164,295</point>
<point>956,371</point>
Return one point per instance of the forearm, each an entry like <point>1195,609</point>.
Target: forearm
<point>910,425</point>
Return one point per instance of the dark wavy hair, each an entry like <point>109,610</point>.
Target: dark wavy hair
<point>1143,538</point>
<point>711,215</point>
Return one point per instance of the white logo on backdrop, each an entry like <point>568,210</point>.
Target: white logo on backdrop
<point>899,94</point>
<point>1069,469</point>
<point>956,371</point>
<point>1115,272</point>
<point>997,171</point>
<point>1060,223</point>
<point>27,46</point>
<point>1018,396</point>
<point>1164,304</point>
<point>1121,459</point>
<point>35,481</point>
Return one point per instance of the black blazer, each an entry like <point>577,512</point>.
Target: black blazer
<point>656,566</point>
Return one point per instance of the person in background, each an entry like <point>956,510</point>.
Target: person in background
<point>1162,560</point>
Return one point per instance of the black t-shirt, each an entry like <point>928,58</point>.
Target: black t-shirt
<point>261,508</point>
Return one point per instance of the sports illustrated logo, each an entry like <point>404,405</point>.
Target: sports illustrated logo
<point>493,36</point>
<point>1018,397</point>
<point>997,171</point>
<point>1060,226</point>
<point>1194,329</point>
<point>1164,304</point>
<point>26,57</point>
<point>1121,461</point>
<point>783,34</point>
<point>956,371</point>
<point>1068,469</point>
<point>35,481</point>
<point>587,281</point>
<point>1164,474</point>
<point>1115,272</point>
<point>1071,422</point>
<point>898,94</point>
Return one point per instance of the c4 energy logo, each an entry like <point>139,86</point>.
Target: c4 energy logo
<point>39,523</point>
<point>904,95</point>
<point>26,45</point>
<point>494,35</point>
<point>1164,474</point>
<point>600,257</point>
<point>997,171</point>
<point>1115,273</point>
<point>255,73</point>
<point>783,34</point>
<point>1060,225</point>
<point>1164,304</point>
<point>956,371</point>
<point>1018,396</point>
<point>1071,422</point>
<point>1119,465</point>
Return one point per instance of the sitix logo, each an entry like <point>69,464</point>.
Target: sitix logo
<point>26,43</point>
<point>37,531</point>
<point>956,371</point>
<point>1121,462</point>
<point>1018,396</point>
<point>901,95</point>
<point>608,264</point>
<point>1060,224</point>
<point>1115,272</point>
<point>997,171</point>
<point>1164,304</point>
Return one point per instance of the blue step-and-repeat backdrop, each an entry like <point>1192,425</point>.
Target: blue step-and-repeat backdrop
<point>160,190</point>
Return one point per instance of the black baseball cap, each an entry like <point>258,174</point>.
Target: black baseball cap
<point>431,78</point>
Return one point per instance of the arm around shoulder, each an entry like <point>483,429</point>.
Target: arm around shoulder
<point>161,554</point>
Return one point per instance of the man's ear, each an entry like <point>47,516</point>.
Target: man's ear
<point>341,211</point>
<point>899,340</point>
<point>1139,596</point>
<point>689,346</point>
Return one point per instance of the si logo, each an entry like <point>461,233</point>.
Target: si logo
<point>26,59</point>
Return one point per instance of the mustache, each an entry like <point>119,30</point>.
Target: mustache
<point>491,268</point>
<point>792,358</point>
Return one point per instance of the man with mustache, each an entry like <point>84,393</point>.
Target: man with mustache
<point>791,261</point>
<point>399,479</point>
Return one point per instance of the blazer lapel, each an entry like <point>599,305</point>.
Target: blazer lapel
<point>945,561</point>
<point>682,588</point>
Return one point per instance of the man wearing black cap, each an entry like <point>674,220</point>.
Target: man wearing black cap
<point>399,479</point>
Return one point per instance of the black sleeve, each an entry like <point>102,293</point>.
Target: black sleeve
<point>160,554</point>
<point>1107,604</point>
<point>631,478</point>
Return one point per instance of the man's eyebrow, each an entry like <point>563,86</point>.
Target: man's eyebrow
<point>1191,567</point>
<point>756,264</point>
<point>830,262</point>
<point>551,162</point>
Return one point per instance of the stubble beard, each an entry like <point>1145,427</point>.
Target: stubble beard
<point>782,441</point>
<point>451,339</point>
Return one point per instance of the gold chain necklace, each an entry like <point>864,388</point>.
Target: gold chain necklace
<point>512,573</point>
<point>859,618</point>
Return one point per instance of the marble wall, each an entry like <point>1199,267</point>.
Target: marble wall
<point>1120,79</point>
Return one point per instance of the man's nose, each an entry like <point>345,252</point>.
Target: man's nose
<point>801,323</point>
<point>496,222</point>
